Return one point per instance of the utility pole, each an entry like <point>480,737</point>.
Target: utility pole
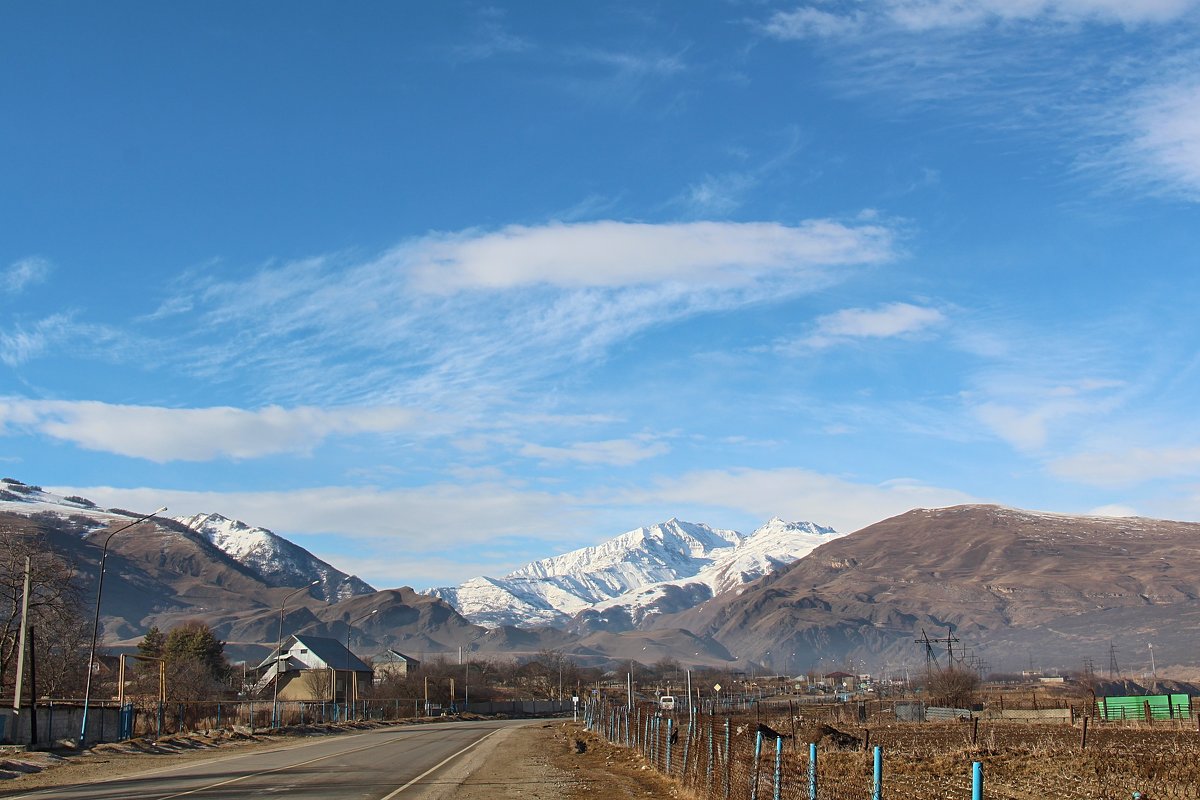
<point>21,646</point>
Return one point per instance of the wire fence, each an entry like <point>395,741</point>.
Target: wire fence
<point>799,756</point>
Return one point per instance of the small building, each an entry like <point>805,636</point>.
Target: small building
<point>314,668</point>
<point>846,681</point>
<point>393,664</point>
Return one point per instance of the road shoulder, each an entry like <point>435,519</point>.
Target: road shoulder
<point>544,761</point>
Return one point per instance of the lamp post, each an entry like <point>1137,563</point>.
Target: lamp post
<point>279,653</point>
<point>349,675</point>
<point>87,688</point>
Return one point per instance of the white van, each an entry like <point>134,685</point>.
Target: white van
<point>666,702</point>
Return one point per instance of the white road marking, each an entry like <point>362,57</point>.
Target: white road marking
<point>435,768</point>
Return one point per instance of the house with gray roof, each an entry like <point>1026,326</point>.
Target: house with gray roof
<point>393,663</point>
<point>314,668</point>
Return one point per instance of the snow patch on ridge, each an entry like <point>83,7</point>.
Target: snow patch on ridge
<point>276,559</point>
<point>635,570</point>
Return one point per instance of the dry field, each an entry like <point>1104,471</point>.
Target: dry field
<point>934,760</point>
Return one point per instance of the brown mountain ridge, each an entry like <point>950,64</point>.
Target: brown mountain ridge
<point>1013,585</point>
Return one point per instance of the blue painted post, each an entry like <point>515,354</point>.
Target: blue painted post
<point>977,780</point>
<point>877,793</point>
<point>812,771</point>
<point>757,760</point>
<point>728,763</point>
<point>778,795</point>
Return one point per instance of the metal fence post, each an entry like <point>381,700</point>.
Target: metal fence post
<point>877,792</point>
<point>778,795</point>
<point>812,771</point>
<point>670,730</point>
<point>977,780</point>
<point>757,761</point>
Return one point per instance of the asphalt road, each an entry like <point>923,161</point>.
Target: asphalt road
<point>402,762</point>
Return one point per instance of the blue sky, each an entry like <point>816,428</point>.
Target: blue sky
<point>435,289</point>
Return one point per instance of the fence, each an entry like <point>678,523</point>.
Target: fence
<point>109,723</point>
<point>1149,708</point>
<point>745,757</point>
<point>56,721</point>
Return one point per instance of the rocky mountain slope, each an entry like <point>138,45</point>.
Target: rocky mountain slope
<point>234,577</point>
<point>614,585</point>
<point>1012,586</point>
<point>278,561</point>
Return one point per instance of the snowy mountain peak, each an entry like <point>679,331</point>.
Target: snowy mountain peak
<point>277,560</point>
<point>553,590</point>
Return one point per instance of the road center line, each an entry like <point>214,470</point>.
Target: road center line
<point>437,766</point>
<point>338,754</point>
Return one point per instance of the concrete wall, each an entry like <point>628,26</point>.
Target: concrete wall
<point>59,722</point>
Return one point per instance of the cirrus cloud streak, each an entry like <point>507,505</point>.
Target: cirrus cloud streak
<point>195,434</point>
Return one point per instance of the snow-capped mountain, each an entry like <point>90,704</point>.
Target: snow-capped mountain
<point>273,559</point>
<point>685,561</point>
<point>776,544</point>
<point>277,560</point>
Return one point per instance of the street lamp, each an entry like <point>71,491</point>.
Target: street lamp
<point>349,676</point>
<point>87,688</point>
<point>279,649</point>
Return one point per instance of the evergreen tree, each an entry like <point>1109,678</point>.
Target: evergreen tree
<point>195,641</point>
<point>152,643</point>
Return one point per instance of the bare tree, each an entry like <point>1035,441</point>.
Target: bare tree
<point>319,683</point>
<point>55,607</point>
<point>954,686</point>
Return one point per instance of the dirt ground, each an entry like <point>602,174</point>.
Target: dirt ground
<point>543,760</point>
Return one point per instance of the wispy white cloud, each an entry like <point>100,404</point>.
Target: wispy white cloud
<point>491,37</point>
<point>794,493</point>
<point>630,63</point>
<point>612,452</point>
<point>196,434</point>
<point>462,320</point>
<point>887,321</point>
<point>23,273</point>
<point>1160,136</point>
<point>420,519</point>
<point>1023,411</point>
<point>807,21</point>
<point>1130,466</point>
<point>722,192</point>
<point>25,342</point>
<point>1125,115</point>
<point>610,253</point>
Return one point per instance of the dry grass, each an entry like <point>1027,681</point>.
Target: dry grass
<point>1021,761</point>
